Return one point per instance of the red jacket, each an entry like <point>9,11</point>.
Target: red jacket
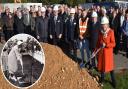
<point>105,55</point>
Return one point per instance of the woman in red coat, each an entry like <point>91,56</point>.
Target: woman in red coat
<point>106,41</point>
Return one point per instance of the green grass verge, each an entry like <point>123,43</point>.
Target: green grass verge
<point>121,80</point>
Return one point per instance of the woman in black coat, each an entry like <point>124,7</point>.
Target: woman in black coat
<point>8,26</point>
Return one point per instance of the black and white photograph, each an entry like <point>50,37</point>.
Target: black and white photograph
<point>22,61</point>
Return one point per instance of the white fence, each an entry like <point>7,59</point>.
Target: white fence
<point>16,5</point>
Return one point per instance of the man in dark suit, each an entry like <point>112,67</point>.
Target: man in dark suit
<point>55,27</point>
<point>42,26</point>
<point>93,27</point>
<point>64,17</point>
<point>72,32</point>
<point>114,24</point>
<point>18,23</point>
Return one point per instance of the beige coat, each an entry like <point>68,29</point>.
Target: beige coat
<point>13,57</point>
<point>5,61</point>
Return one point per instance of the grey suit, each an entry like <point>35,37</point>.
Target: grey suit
<point>27,21</point>
<point>42,28</point>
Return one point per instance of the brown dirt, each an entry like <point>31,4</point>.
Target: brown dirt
<point>60,73</point>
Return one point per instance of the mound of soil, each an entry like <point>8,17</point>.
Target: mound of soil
<point>60,73</point>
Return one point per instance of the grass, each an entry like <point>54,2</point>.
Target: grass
<point>121,80</point>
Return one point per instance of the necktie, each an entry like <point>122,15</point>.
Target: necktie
<point>55,19</point>
<point>28,18</point>
<point>71,21</point>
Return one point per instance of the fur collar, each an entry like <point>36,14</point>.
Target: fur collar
<point>105,33</point>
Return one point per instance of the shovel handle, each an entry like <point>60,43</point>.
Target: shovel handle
<point>93,55</point>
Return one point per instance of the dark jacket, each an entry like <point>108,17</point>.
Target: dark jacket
<point>1,24</point>
<point>4,18</point>
<point>114,23</point>
<point>71,29</point>
<point>33,23</point>
<point>124,28</point>
<point>56,28</point>
<point>19,25</point>
<point>49,15</point>
<point>94,31</point>
<point>9,24</point>
<point>42,27</point>
<point>64,17</point>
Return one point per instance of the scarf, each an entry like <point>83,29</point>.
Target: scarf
<point>105,33</point>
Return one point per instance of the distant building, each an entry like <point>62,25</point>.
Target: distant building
<point>122,3</point>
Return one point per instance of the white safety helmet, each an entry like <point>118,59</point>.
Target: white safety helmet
<point>104,20</point>
<point>28,7</point>
<point>36,8</point>
<point>55,8</point>
<point>19,42</point>
<point>72,10</point>
<point>43,9</point>
<point>104,10</point>
<point>94,14</point>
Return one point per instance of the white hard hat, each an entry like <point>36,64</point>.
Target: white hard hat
<point>72,10</point>
<point>6,6</point>
<point>104,10</point>
<point>19,42</point>
<point>104,20</point>
<point>28,7</point>
<point>94,14</point>
<point>80,7</point>
<point>36,8</point>
<point>55,8</point>
<point>43,9</point>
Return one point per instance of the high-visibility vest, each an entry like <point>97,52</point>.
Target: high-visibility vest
<point>83,26</point>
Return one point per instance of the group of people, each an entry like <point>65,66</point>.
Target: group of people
<point>80,28</point>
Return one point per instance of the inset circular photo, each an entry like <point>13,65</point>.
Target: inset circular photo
<point>22,61</point>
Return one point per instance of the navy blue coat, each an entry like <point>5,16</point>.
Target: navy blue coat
<point>19,25</point>
<point>55,29</point>
<point>71,29</point>
<point>93,32</point>
<point>42,27</point>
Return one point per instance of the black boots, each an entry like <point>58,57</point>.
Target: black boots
<point>112,79</point>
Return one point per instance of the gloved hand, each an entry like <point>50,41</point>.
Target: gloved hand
<point>38,37</point>
<point>60,36</point>
<point>50,36</point>
<point>103,45</point>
